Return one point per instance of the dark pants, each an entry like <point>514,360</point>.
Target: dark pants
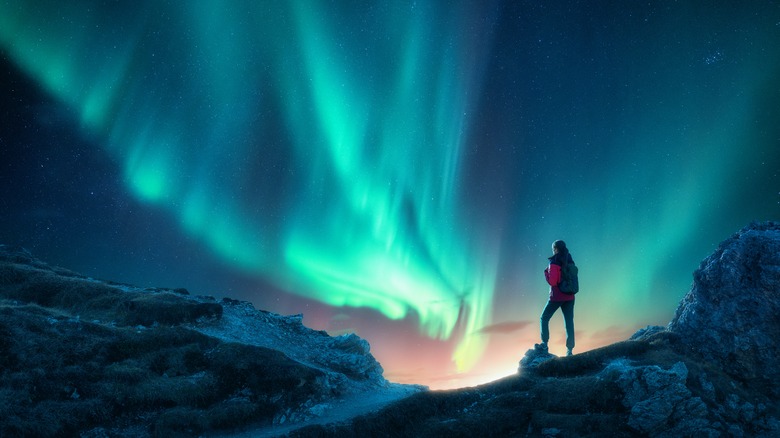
<point>567,307</point>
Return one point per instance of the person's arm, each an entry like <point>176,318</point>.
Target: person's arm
<point>553,274</point>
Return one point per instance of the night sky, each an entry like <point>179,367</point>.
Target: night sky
<point>394,169</point>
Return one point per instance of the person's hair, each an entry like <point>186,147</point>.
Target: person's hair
<point>563,252</point>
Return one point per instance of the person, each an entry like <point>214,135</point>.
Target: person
<point>561,257</point>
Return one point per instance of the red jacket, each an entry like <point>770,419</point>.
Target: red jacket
<point>553,276</point>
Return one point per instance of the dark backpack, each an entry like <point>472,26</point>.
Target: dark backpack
<point>569,283</point>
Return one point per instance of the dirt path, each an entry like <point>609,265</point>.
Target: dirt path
<point>338,410</point>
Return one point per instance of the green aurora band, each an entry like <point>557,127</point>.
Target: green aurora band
<point>376,143</point>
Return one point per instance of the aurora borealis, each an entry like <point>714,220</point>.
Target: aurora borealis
<point>398,169</point>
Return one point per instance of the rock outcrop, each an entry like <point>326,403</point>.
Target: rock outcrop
<point>533,358</point>
<point>731,316</point>
<point>80,356</point>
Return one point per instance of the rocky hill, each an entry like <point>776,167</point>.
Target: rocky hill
<point>97,359</point>
<point>711,373</point>
<point>731,316</point>
<point>85,357</point>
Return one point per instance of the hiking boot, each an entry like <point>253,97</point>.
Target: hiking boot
<point>541,347</point>
<point>568,352</point>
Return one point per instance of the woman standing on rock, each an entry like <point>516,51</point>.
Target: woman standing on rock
<point>561,258</point>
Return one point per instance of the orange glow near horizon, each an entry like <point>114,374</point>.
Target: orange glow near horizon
<point>410,358</point>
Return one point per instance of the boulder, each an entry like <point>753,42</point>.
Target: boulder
<point>533,358</point>
<point>659,400</point>
<point>351,355</point>
<point>730,315</point>
<point>647,332</point>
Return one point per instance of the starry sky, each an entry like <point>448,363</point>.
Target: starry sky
<point>398,169</point>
